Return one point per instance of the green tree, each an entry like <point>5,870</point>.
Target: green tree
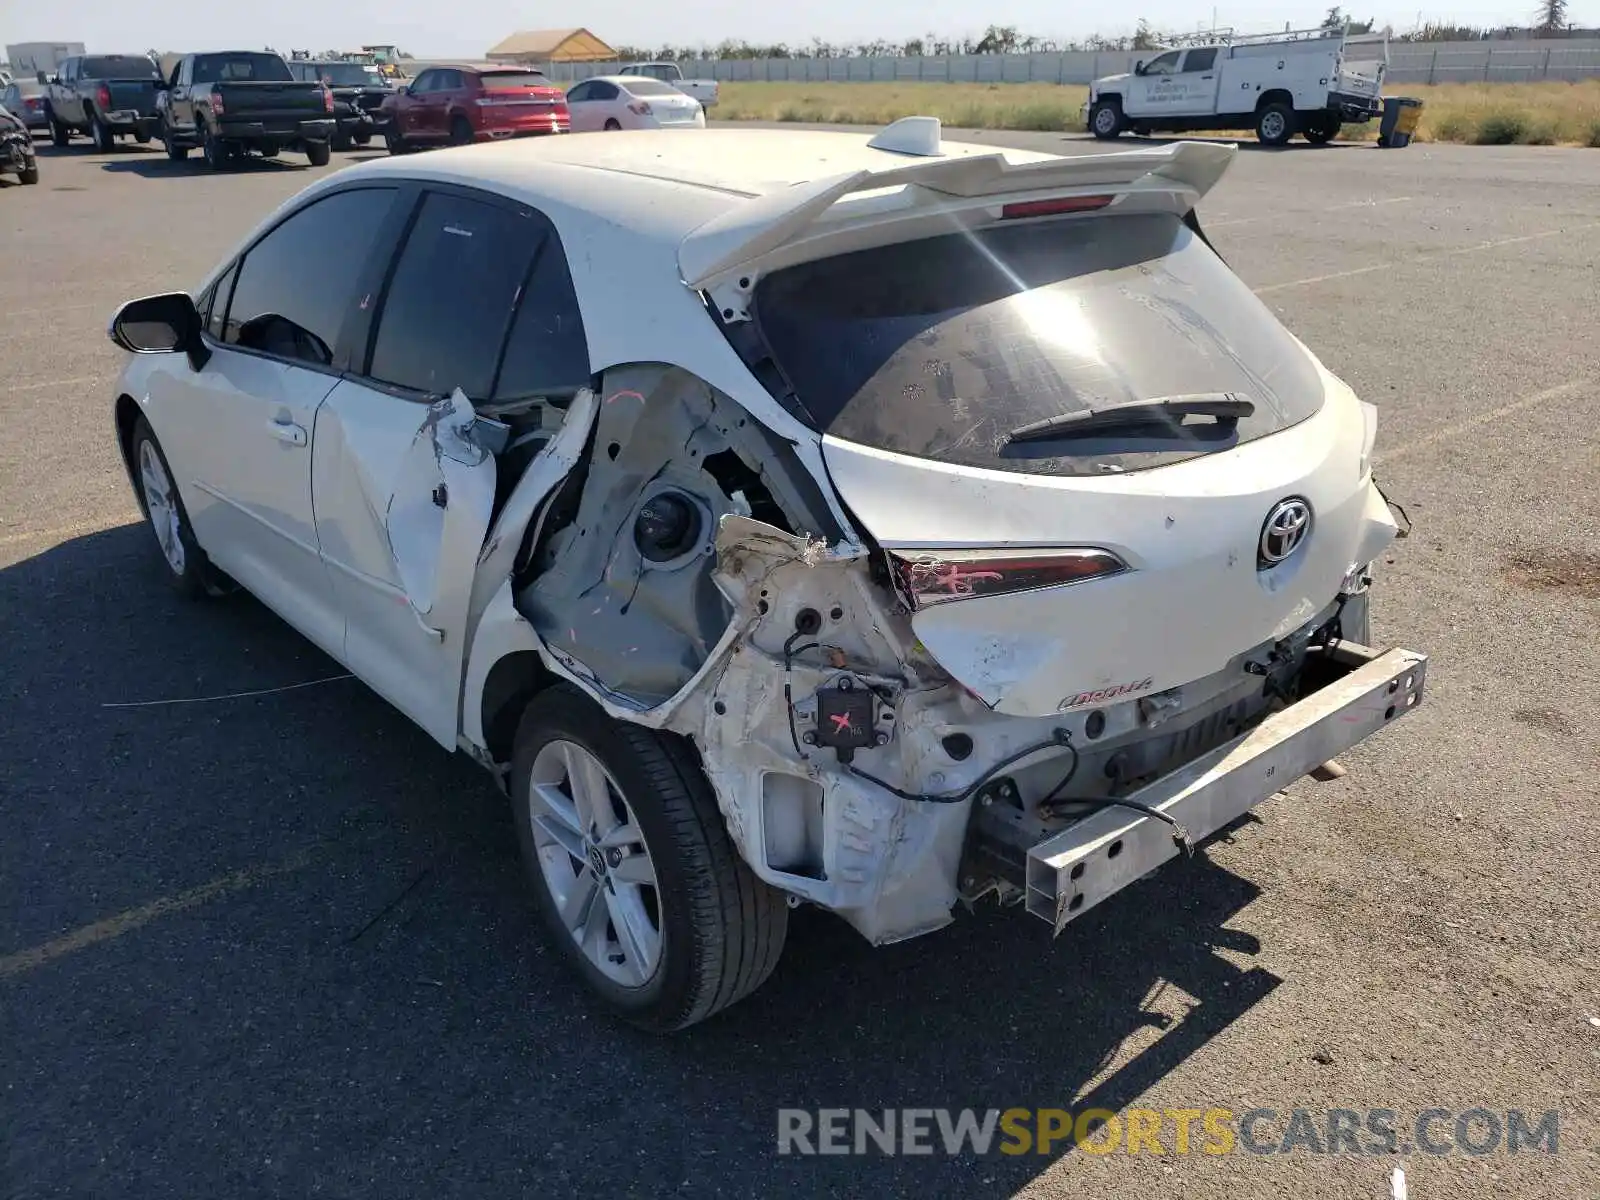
<point>1552,15</point>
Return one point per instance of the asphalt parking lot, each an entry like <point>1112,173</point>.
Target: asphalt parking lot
<point>280,944</point>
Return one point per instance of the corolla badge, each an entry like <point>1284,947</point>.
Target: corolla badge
<point>1283,532</point>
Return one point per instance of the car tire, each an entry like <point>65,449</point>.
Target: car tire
<point>361,139</point>
<point>29,174</point>
<point>60,135</point>
<point>1105,120</point>
<point>1275,125</point>
<point>104,140</point>
<point>460,132</point>
<point>142,136</point>
<point>342,142</point>
<point>177,153</point>
<point>612,125</point>
<point>318,153</point>
<point>396,143</point>
<point>188,569</point>
<point>655,856</point>
<point>1321,130</point>
<point>214,148</point>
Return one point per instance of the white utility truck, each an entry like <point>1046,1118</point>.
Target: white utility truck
<point>1308,81</point>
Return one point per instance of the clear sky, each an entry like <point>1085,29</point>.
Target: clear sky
<point>469,27</point>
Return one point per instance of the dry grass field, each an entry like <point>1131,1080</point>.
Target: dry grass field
<point>1537,114</point>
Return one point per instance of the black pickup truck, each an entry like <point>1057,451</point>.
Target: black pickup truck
<point>106,96</point>
<point>231,102</point>
<point>359,91</point>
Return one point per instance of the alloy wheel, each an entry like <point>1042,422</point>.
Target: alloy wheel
<point>594,861</point>
<point>162,506</point>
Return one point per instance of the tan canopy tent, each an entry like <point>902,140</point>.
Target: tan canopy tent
<point>552,45</point>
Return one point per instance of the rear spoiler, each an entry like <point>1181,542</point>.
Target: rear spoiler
<point>765,223</point>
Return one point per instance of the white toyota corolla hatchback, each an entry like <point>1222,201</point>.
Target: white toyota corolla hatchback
<point>785,518</point>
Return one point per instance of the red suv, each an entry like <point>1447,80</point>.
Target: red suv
<point>452,106</point>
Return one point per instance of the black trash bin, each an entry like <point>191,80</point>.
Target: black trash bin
<point>1400,116</point>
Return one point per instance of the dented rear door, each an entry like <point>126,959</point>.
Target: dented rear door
<point>403,477</point>
<point>404,496</point>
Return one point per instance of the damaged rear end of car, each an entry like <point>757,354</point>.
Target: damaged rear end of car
<point>991,540</point>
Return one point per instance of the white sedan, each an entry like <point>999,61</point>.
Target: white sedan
<point>614,102</point>
<point>784,517</point>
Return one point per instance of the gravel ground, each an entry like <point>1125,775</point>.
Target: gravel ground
<point>280,945</point>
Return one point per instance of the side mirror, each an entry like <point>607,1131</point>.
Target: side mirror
<point>1138,67</point>
<point>41,77</point>
<point>162,324</point>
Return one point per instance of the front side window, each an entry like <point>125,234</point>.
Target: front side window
<point>451,297</point>
<point>297,284</point>
<point>1165,64</point>
<point>221,292</point>
<point>580,93</point>
<point>942,348</point>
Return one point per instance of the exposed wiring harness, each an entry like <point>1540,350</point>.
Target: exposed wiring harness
<point>1058,737</point>
<point>1047,806</point>
<point>789,651</point>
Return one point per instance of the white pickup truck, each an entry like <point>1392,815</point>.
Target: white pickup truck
<point>703,90</point>
<point>1280,84</point>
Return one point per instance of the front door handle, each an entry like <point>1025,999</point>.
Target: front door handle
<point>288,431</point>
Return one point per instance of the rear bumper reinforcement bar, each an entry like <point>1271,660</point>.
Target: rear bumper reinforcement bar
<point>1071,872</point>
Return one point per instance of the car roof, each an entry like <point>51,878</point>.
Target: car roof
<point>730,162</point>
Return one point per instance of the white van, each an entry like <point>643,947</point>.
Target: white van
<point>1279,84</point>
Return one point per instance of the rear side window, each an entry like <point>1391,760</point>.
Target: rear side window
<point>940,348</point>
<point>297,284</point>
<point>1200,60</point>
<point>451,297</point>
<point>546,354</point>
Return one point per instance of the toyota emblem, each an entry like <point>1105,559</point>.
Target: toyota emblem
<point>1283,532</point>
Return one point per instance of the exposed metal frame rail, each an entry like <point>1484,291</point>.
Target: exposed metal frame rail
<point>1095,858</point>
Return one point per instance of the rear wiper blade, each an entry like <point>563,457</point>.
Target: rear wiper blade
<point>1225,407</point>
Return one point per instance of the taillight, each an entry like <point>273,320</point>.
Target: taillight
<point>1052,208</point>
<point>327,100</point>
<point>102,97</point>
<point>642,108</point>
<point>32,104</point>
<point>217,106</point>
<point>928,577</point>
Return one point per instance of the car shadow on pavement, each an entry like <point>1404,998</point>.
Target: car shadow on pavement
<point>159,166</point>
<point>362,999</point>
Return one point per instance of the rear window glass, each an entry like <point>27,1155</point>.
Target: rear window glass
<point>119,66</point>
<point>247,68</point>
<point>940,348</point>
<point>651,87</point>
<point>511,79</point>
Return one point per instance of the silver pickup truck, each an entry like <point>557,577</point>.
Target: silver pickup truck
<point>703,90</point>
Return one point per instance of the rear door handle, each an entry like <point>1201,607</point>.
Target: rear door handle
<point>288,431</point>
